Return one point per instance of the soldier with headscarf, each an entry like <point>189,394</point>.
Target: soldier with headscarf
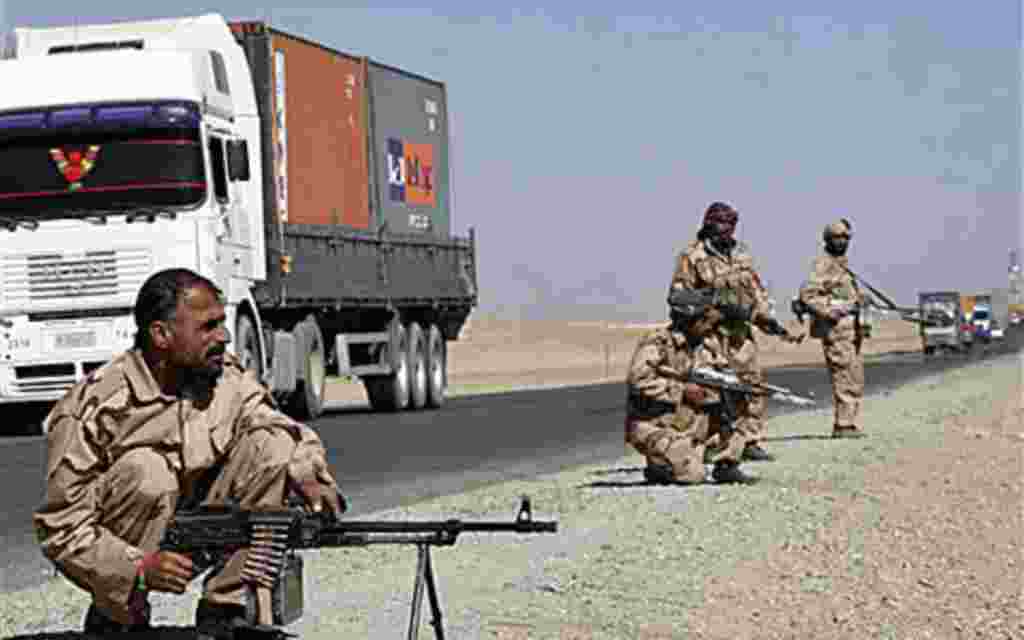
<point>717,261</point>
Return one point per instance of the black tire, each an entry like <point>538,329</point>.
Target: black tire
<point>417,367</point>
<point>437,368</point>
<point>928,351</point>
<point>247,345</point>
<point>307,402</point>
<point>391,392</point>
<point>27,419</point>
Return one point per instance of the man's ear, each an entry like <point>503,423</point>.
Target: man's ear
<point>161,335</point>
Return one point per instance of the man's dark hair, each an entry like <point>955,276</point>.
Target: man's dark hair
<point>159,296</point>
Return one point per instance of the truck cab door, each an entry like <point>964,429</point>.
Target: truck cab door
<point>224,205</point>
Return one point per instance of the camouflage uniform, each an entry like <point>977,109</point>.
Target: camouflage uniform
<point>701,266</point>
<point>660,424</point>
<point>830,285</point>
<point>121,454</point>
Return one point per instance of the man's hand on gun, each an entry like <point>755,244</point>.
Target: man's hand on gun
<point>694,394</point>
<point>166,571</point>
<point>315,485</point>
<point>776,328</point>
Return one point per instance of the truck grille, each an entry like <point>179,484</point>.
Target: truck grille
<point>54,277</point>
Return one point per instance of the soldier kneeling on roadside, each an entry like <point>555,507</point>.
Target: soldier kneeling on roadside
<point>669,421</point>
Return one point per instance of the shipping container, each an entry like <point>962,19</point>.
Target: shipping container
<point>317,135</point>
<point>409,134</point>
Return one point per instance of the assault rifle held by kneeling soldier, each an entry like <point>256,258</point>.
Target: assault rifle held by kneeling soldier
<point>273,569</point>
<point>732,389</point>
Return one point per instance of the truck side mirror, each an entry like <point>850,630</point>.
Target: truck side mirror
<point>238,160</point>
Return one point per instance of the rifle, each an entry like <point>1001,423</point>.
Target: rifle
<point>273,569</point>
<point>726,380</point>
<point>694,301</point>
<point>906,313</point>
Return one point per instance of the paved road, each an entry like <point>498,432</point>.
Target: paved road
<point>388,460</point>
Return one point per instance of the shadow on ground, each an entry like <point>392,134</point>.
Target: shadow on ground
<point>157,633</point>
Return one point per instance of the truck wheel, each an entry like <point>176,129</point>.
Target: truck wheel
<point>417,367</point>
<point>391,392</point>
<point>247,345</point>
<point>437,363</point>
<point>307,402</point>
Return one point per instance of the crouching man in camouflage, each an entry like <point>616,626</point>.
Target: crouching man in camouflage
<point>667,420</point>
<point>174,422</point>
<point>834,300</point>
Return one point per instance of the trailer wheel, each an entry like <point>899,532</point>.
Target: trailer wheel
<point>247,345</point>
<point>307,402</point>
<point>417,367</point>
<point>391,392</point>
<point>437,364</point>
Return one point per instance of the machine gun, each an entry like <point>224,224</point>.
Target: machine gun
<point>273,569</point>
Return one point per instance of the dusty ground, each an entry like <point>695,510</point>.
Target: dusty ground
<point>496,353</point>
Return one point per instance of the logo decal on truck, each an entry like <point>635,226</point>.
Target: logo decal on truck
<point>411,172</point>
<point>75,165</point>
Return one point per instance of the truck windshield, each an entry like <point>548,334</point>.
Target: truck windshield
<point>100,159</point>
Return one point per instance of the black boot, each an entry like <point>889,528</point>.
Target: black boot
<point>97,623</point>
<point>754,453</point>
<point>659,474</point>
<point>848,432</point>
<point>729,473</point>
<point>219,621</point>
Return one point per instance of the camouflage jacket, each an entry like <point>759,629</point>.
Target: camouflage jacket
<point>654,396</point>
<point>700,266</point>
<point>830,285</point>
<point>120,407</point>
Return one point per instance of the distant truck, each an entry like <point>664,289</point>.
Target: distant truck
<point>941,330</point>
<point>310,185</point>
<point>992,314</point>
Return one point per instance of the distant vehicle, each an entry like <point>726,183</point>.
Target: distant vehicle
<point>1015,318</point>
<point>981,320</point>
<point>941,311</point>
<point>997,332</point>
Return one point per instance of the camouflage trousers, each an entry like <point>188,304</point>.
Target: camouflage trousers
<point>742,351</point>
<point>683,449</point>
<point>141,491</point>
<point>846,371</point>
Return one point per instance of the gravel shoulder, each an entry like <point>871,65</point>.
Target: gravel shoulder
<point>914,532</point>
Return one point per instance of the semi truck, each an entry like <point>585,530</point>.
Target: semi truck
<point>311,186</point>
<point>941,313</point>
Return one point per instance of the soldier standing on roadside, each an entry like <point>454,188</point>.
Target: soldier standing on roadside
<point>834,300</point>
<point>716,261</point>
<point>669,421</point>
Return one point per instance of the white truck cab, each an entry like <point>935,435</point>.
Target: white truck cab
<point>162,116</point>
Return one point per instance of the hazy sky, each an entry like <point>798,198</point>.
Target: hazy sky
<point>586,147</point>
